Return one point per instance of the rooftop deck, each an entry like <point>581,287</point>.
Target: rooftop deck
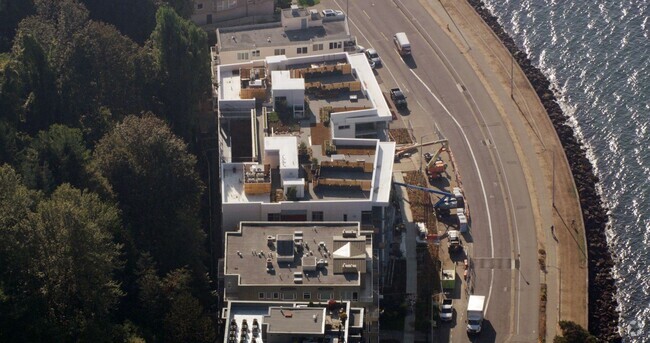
<point>249,254</point>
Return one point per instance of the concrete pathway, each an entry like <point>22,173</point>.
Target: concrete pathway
<point>411,259</point>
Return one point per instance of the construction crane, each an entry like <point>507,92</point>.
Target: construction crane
<point>446,197</point>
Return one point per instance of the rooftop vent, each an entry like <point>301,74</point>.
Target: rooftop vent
<point>297,277</point>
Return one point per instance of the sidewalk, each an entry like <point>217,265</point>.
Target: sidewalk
<point>411,258</point>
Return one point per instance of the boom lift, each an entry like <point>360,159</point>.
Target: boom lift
<point>435,166</point>
<point>446,197</point>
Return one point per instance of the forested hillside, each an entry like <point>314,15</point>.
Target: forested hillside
<point>101,237</point>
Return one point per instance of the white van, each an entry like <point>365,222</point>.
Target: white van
<point>402,43</point>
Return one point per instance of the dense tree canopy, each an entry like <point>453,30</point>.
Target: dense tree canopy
<point>98,199</point>
<point>181,51</point>
<point>157,187</point>
<point>57,156</point>
<point>58,276</point>
<point>11,13</point>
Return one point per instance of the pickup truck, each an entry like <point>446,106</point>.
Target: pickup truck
<point>446,310</point>
<point>399,99</point>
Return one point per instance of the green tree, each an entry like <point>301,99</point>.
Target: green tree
<point>11,12</point>
<point>573,333</point>
<point>30,84</point>
<point>185,321</point>
<point>75,259</point>
<point>134,18</point>
<point>57,273</point>
<point>158,189</point>
<point>57,156</point>
<point>20,310</point>
<point>180,50</point>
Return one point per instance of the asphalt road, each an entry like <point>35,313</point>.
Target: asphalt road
<point>443,89</point>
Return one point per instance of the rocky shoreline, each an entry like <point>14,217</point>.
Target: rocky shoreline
<point>603,316</point>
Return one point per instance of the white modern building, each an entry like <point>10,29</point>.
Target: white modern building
<point>339,117</point>
<point>299,261</point>
<point>280,322</point>
<point>300,32</point>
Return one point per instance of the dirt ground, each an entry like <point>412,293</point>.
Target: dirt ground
<point>568,244</point>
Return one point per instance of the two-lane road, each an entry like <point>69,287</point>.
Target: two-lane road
<point>444,89</point>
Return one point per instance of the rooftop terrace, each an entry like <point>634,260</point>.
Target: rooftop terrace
<point>298,254</point>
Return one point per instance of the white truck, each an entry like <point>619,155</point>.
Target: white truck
<point>475,308</point>
<point>402,43</point>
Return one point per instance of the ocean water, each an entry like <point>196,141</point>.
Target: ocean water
<point>597,55</point>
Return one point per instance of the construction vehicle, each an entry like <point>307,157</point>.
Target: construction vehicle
<point>445,196</point>
<point>435,165</point>
<point>475,308</point>
<point>454,241</point>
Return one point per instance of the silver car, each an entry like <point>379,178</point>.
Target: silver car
<point>373,58</point>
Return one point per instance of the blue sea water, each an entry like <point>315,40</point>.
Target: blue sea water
<point>597,55</point>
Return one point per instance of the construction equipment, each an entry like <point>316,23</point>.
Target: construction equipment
<point>435,166</point>
<point>454,241</point>
<point>445,196</point>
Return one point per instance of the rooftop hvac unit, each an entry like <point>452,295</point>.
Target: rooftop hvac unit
<point>297,236</point>
<point>349,233</point>
<point>349,268</point>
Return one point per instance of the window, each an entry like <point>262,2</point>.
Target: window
<point>345,217</point>
<point>302,50</point>
<point>306,296</point>
<point>276,295</point>
<point>318,47</point>
<point>255,53</point>
<point>273,217</point>
<point>279,52</point>
<point>226,4</point>
<point>317,216</point>
<point>260,295</point>
<point>366,217</point>
<point>289,296</point>
<point>344,127</point>
<point>324,296</point>
<point>335,45</point>
<point>355,296</point>
<point>199,6</point>
<point>242,56</point>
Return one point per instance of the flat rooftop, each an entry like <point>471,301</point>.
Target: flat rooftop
<point>286,318</point>
<point>248,252</point>
<point>307,320</point>
<point>255,36</point>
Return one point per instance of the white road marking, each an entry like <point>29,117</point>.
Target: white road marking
<point>514,216</point>
<point>364,12</point>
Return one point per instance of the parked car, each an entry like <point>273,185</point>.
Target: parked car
<point>330,13</point>
<point>373,58</point>
<point>399,99</point>
<point>447,310</point>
